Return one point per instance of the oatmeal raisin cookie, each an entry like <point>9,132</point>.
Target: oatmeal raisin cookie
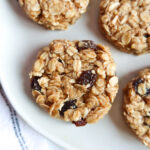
<point>137,105</point>
<point>75,80</point>
<point>54,14</point>
<point>126,23</point>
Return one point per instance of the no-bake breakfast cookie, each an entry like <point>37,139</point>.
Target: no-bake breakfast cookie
<point>137,105</point>
<point>126,23</point>
<point>54,14</point>
<point>75,80</point>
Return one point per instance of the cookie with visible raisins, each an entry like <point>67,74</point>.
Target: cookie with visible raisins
<point>54,14</point>
<point>137,105</point>
<point>75,80</point>
<point>126,23</point>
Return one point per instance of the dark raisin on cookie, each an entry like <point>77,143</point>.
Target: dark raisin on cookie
<point>48,103</point>
<point>146,35</point>
<point>147,92</point>
<point>71,104</point>
<point>87,77</point>
<point>35,85</point>
<point>145,124</point>
<point>79,123</point>
<point>146,121</point>
<point>136,84</point>
<point>60,60</point>
<point>85,44</point>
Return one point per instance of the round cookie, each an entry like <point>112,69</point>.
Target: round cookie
<point>54,14</point>
<point>75,80</point>
<point>126,24</point>
<point>137,105</point>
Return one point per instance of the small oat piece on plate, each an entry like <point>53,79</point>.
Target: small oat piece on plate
<point>75,80</point>
<point>137,105</point>
<point>126,23</point>
<point>54,14</point>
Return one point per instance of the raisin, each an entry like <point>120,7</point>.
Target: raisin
<point>63,73</point>
<point>85,44</point>
<point>146,123</point>
<point>48,103</point>
<point>60,60</point>
<point>35,85</point>
<point>146,35</point>
<point>79,123</point>
<point>147,91</point>
<point>136,84</point>
<point>87,77</point>
<point>71,104</point>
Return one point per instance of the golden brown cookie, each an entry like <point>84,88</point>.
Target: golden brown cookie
<point>54,14</point>
<point>137,105</point>
<point>126,23</point>
<point>75,80</point>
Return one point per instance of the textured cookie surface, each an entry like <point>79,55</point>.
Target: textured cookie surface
<point>137,105</point>
<point>54,14</point>
<point>126,24</point>
<point>75,80</point>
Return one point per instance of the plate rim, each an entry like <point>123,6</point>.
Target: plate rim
<point>31,124</point>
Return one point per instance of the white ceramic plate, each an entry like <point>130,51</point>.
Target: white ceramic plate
<point>20,40</point>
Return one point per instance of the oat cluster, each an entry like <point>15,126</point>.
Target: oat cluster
<point>54,14</point>
<point>137,105</point>
<point>75,80</point>
<point>126,23</point>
